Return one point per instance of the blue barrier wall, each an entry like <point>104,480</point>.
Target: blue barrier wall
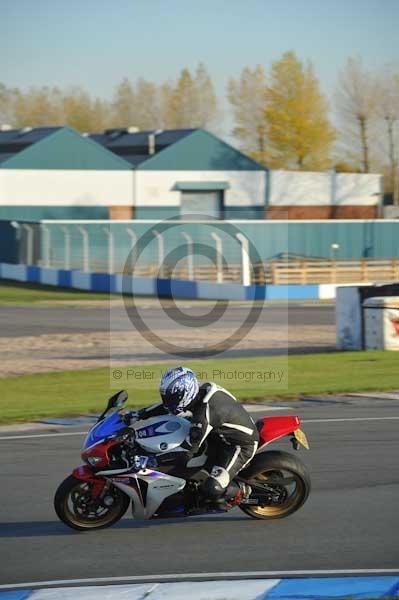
<point>168,288</point>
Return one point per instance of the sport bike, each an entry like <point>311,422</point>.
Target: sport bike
<point>142,463</point>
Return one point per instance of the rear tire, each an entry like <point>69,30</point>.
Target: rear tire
<point>69,504</point>
<point>277,464</point>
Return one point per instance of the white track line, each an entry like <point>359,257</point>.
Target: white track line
<point>342,420</point>
<point>348,419</point>
<point>41,435</point>
<point>63,434</point>
<point>202,577</point>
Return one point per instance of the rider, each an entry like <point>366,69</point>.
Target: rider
<point>216,416</point>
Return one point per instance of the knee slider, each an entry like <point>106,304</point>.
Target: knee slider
<point>215,485</point>
<point>211,488</point>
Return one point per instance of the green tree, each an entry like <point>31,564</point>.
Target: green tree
<point>38,107</point>
<point>299,133</point>
<point>183,105</point>
<point>192,101</point>
<point>82,112</point>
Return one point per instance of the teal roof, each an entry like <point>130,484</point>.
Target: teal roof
<point>194,186</point>
<point>65,149</point>
<point>200,151</point>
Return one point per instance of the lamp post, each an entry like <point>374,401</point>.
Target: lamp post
<point>333,249</point>
<point>17,226</point>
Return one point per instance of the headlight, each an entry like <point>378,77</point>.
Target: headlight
<point>93,460</point>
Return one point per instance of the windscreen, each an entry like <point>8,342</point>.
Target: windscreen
<point>105,428</point>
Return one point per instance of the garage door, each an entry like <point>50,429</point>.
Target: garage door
<point>195,205</point>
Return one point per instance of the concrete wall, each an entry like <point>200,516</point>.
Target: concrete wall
<point>158,188</point>
<point>95,194</point>
<point>297,188</point>
<point>61,188</point>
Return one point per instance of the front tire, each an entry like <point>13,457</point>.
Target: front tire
<point>274,466</point>
<point>76,507</point>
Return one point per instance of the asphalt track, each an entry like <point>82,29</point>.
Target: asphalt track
<point>18,321</point>
<point>351,520</point>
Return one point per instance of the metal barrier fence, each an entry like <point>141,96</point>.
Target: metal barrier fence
<point>184,250</point>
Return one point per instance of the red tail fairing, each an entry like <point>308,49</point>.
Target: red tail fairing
<point>273,428</point>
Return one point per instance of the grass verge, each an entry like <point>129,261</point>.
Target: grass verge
<point>12,292</point>
<point>68,393</point>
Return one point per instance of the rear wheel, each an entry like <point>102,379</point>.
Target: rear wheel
<point>280,476</point>
<point>77,508</point>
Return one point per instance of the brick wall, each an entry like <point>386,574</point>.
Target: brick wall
<point>120,212</point>
<point>321,212</point>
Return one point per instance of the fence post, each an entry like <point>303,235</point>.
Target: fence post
<point>219,257</point>
<point>67,248</point>
<point>245,262</point>
<point>190,255</point>
<point>273,272</point>
<point>133,251</point>
<point>334,271</point>
<point>85,242</point>
<point>161,253</point>
<point>29,243</point>
<point>363,268</point>
<point>304,274</point>
<point>47,245</point>
<point>110,235</point>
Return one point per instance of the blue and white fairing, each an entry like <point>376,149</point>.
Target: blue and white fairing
<point>105,428</point>
<point>161,434</point>
<point>157,434</point>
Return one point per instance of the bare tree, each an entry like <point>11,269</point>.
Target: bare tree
<point>123,105</point>
<point>247,96</point>
<point>387,109</point>
<point>356,101</point>
<point>7,104</point>
<point>206,101</point>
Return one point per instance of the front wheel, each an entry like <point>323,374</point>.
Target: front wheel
<point>77,508</point>
<point>285,482</point>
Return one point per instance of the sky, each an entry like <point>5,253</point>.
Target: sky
<point>96,43</point>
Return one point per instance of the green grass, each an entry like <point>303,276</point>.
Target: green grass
<point>12,292</point>
<point>68,393</point>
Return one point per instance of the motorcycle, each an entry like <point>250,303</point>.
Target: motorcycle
<point>141,463</point>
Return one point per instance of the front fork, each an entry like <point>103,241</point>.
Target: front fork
<point>99,485</point>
